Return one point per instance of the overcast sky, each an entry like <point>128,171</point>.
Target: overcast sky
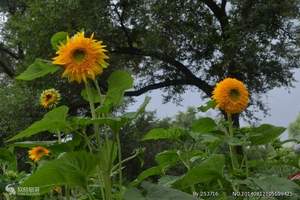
<point>284,104</point>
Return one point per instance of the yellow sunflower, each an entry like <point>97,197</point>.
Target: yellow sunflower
<point>37,153</point>
<point>231,95</point>
<point>49,98</point>
<point>81,57</point>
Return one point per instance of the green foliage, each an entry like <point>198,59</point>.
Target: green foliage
<point>264,134</point>
<point>58,38</point>
<point>160,133</point>
<point>209,170</point>
<point>118,82</point>
<point>53,121</point>
<point>38,69</point>
<point>73,169</point>
<point>278,184</point>
<point>156,192</point>
<point>204,125</point>
<point>294,129</point>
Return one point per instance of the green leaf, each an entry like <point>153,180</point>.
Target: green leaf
<point>277,184</point>
<point>204,125</point>
<point>118,82</point>
<point>133,194</point>
<point>210,104</point>
<point>209,170</point>
<point>94,94</point>
<point>159,192</point>
<point>264,134</point>
<point>72,169</point>
<point>167,158</point>
<point>161,133</point>
<point>58,38</point>
<point>52,121</point>
<point>38,69</point>
<point>147,173</point>
<point>167,180</point>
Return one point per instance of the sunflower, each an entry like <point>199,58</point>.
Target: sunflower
<point>81,57</point>
<point>49,98</point>
<point>231,95</point>
<point>37,153</point>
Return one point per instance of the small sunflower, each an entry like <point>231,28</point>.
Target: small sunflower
<point>37,153</point>
<point>49,98</point>
<point>231,95</point>
<point>81,57</point>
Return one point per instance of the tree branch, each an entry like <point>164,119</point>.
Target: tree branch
<point>121,20</point>
<point>6,69</point>
<point>223,4</point>
<point>219,12</point>
<point>156,86</point>
<point>7,51</point>
<point>189,76</point>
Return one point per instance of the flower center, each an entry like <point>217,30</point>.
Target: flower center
<point>48,97</point>
<point>79,55</point>
<point>234,94</point>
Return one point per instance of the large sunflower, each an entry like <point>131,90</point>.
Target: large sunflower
<point>81,57</point>
<point>231,95</point>
<point>49,98</point>
<point>37,153</point>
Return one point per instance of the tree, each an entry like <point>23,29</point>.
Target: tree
<point>169,45</point>
<point>294,129</point>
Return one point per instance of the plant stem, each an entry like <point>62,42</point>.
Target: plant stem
<point>246,161</point>
<point>231,134</point>
<point>59,137</point>
<point>120,159</point>
<point>93,112</point>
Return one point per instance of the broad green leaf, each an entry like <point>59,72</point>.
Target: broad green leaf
<point>210,104</point>
<point>234,141</point>
<point>167,158</point>
<point>52,121</point>
<point>161,133</point>
<point>204,125</point>
<point>118,82</point>
<point>159,192</point>
<point>209,170</point>
<point>264,134</point>
<point>38,69</point>
<point>147,173</point>
<point>167,180</point>
<point>133,194</point>
<point>58,38</point>
<point>94,95</point>
<point>277,184</point>
<point>72,169</point>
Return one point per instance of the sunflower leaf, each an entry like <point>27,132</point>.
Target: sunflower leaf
<point>58,38</point>
<point>53,120</point>
<point>38,69</point>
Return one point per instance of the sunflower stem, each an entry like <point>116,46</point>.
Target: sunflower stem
<point>93,112</point>
<point>120,160</point>
<point>234,162</point>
